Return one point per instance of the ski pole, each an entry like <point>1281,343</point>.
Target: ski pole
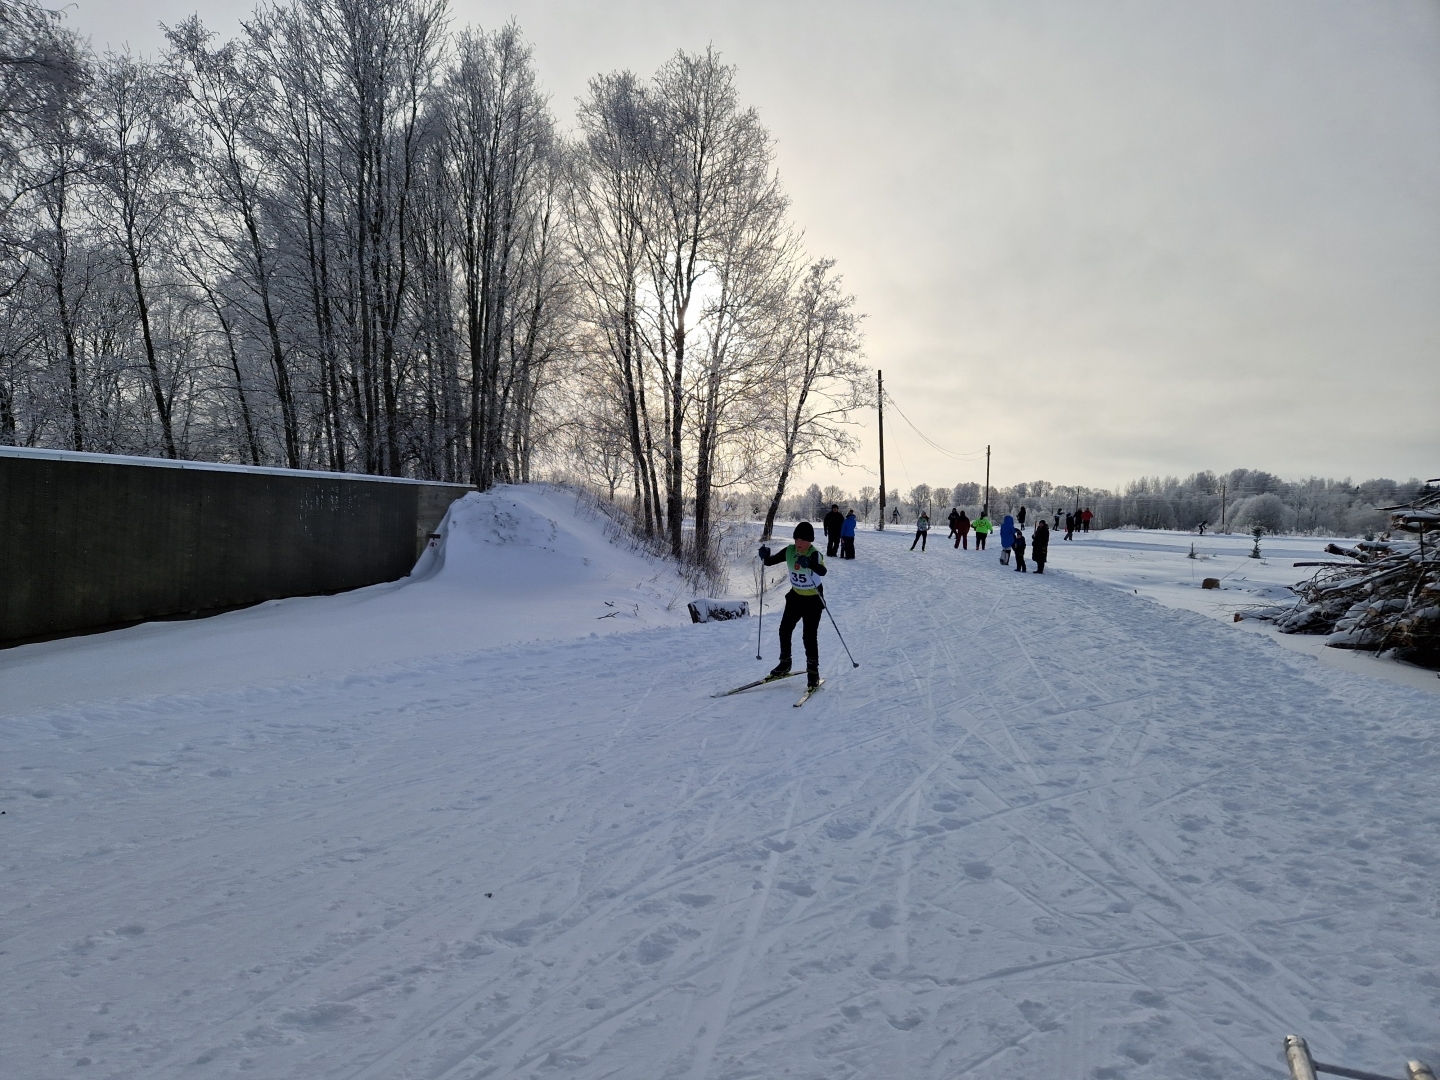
<point>760,622</point>
<point>853,661</point>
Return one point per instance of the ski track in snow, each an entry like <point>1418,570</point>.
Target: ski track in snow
<point>1047,828</point>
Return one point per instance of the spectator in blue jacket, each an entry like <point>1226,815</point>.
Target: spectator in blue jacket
<point>1007,538</point>
<point>847,536</point>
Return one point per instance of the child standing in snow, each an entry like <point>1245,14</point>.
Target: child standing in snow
<point>847,536</point>
<point>922,531</point>
<point>1007,539</point>
<point>983,528</point>
<point>1018,546</point>
<point>802,602</point>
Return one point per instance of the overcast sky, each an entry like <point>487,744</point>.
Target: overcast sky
<point>1112,239</point>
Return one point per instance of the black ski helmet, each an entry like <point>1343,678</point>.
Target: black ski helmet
<point>805,531</point>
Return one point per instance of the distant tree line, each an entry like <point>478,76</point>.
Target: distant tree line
<point>1250,497</point>
<point>353,239</point>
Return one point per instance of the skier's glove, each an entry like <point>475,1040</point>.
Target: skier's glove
<point>764,553</point>
<point>802,562</point>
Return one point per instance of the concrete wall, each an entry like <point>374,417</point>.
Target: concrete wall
<point>90,541</point>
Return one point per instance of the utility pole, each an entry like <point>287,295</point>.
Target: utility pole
<point>1222,507</point>
<point>985,510</point>
<point>880,404</point>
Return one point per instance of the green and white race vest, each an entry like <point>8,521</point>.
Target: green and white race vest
<point>805,582</point>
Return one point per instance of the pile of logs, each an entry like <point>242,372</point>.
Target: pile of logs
<point>1386,599</point>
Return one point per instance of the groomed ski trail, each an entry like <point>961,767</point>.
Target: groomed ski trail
<point>1046,828</point>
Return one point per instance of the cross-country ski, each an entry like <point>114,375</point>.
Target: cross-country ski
<point>757,682</point>
<point>809,692</point>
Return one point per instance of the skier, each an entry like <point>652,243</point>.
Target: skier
<point>895,516</point>
<point>1020,518</point>
<point>847,536</point>
<point>1040,546</point>
<point>1018,546</point>
<point>954,520</point>
<point>833,520</point>
<point>922,531</point>
<point>1085,518</point>
<point>802,602</point>
<point>962,531</point>
<point>1057,518</point>
<point>1007,538</point>
<point>1069,526</point>
<point>983,528</point>
<point>1202,527</point>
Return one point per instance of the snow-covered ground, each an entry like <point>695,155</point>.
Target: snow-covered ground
<point>1049,827</point>
<point>1156,564</point>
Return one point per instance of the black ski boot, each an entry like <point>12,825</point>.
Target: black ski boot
<point>812,677</point>
<point>782,668</point>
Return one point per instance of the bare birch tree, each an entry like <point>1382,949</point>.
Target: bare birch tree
<point>818,380</point>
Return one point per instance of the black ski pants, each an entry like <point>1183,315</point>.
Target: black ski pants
<point>847,547</point>
<point>806,609</point>
<point>980,541</point>
<point>832,544</point>
<point>921,536</point>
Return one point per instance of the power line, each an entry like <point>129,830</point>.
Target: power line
<point>929,441</point>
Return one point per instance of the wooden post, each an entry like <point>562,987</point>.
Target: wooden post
<point>1297,1055</point>
<point>880,405</point>
<point>986,508</point>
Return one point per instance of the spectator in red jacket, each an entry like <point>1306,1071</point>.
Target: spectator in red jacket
<point>1085,517</point>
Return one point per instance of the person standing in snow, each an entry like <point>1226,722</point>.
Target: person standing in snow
<point>983,528</point>
<point>847,536</point>
<point>1040,546</point>
<point>802,602</point>
<point>1085,519</point>
<point>962,531</point>
<point>833,520</point>
<point>1020,518</point>
<point>1018,546</point>
<point>1007,539</point>
<point>954,524</point>
<point>1069,526</point>
<point>922,531</point>
<point>1057,518</point>
<point>895,516</point>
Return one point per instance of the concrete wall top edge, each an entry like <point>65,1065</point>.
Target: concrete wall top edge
<point>210,466</point>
